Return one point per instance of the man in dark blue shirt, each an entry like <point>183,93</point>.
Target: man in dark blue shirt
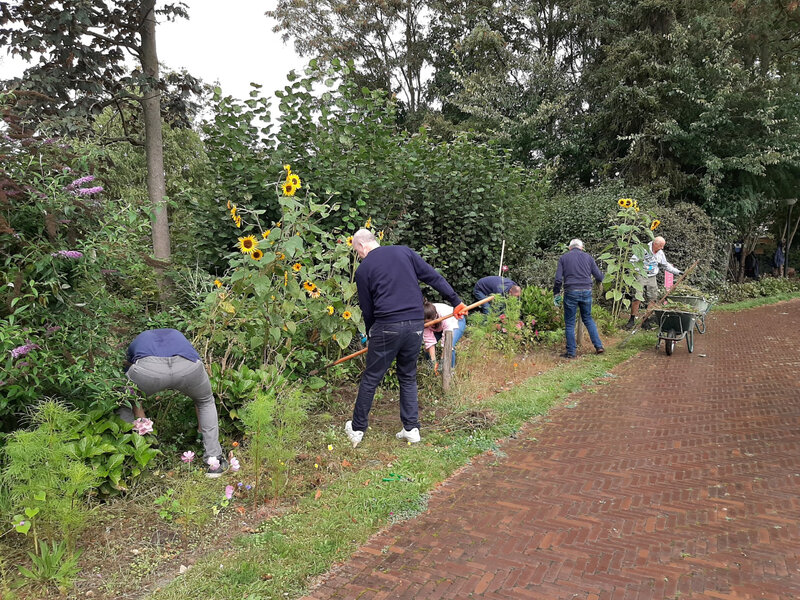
<point>391,303</point>
<point>163,359</point>
<point>575,271</point>
<point>494,284</point>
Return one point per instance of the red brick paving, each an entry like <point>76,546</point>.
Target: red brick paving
<point>677,477</point>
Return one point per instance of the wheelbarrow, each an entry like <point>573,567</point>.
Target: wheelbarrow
<point>700,305</point>
<point>673,326</point>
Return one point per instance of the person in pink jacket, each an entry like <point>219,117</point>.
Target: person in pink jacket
<point>430,335</point>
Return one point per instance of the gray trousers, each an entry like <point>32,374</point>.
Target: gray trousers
<point>153,374</point>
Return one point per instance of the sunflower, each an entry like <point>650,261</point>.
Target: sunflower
<point>229,203</point>
<point>296,267</point>
<point>248,244</point>
<point>350,241</point>
<point>233,211</point>
<point>285,278</point>
<point>294,180</point>
<point>278,224</point>
<point>346,315</point>
<point>257,254</point>
<point>368,224</point>
<point>380,235</point>
<point>218,283</point>
<point>288,169</point>
<point>315,294</point>
<point>330,310</point>
<point>309,287</point>
<point>654,224</point>
<point>288,188</point>
<point>625,202</point>
<point>265,234</point>
<point>280,255</point>
<point>238,220</point>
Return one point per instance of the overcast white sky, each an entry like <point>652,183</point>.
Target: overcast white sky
<point>228,41</point>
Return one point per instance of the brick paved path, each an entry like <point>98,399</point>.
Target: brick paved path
<point>679,478</point>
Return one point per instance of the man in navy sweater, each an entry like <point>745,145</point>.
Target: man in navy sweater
<point>392,305</point>
<point>575,270</point>
<point>497,286</point>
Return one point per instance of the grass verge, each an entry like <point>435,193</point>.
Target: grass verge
<point>281,558</point>
<point>754,302</point>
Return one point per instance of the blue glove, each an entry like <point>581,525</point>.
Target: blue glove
<point>557,300</point>
<point>364,340</point>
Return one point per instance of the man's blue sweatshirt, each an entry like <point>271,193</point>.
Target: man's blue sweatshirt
<point>388,288</point>
<point>575,270</point>
<point>163,343</point>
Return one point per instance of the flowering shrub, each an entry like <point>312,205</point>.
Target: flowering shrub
<point>288,296</point>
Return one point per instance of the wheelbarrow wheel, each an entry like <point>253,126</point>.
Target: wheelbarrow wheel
<point>690,340</point>
<point>700,324</point>
<point>669,343</point>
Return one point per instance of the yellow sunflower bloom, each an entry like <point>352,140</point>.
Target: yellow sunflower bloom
<point>288,169</point>
<point>346,315</point>
<point>294,180</point>
<point>265,234</point>
<point>257,254</point>
<point>296,267</point>
<point>309,286</point>
<point>233,211</point>
<point>278,224</point>
<point>288,188</point>
<point>654,225</point>
<point>285,278</point>
<point>280,255</point>
<point>248,244</point>
<point>380,235</point>
<point>350,241</point>
<point>218,283</point>
<point>238,220</point>
<point>625,202</point>
<point>330,310</point>
<point>315,294</point>
<point>368,224</point>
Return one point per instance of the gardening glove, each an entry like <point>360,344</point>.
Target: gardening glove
<point>557,300</point>
<point>364,341</point>
<point>460,311</point>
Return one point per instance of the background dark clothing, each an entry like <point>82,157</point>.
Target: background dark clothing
<point>494,284</point>
<point>163,343</point>
<point>575,271</point>
<point>387,285</point>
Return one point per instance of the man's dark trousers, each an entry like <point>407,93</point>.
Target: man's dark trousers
<point>387,341</point>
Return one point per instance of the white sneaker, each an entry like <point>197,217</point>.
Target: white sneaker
<point>355,437</point>
<point>412,436</point>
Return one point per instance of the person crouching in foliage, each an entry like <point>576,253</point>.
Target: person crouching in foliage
<point>163,359</point>
<point>431,335</point>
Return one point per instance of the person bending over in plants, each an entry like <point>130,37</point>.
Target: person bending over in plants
<point>494,285</point>
<point>391,302</point>
<point>431,335</point>
<point>163,359</point>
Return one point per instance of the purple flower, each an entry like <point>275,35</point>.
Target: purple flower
<point>22,363</point>
<point>187,456</point>
<point>79,182</point>
<point>248,487</point>
<point>67,254</point>
<point>143,426</point>
<point>89,191</point>
<point>229,491</point>
<point>235,464</point>
<point>24,349</point>
<point>239,484</point>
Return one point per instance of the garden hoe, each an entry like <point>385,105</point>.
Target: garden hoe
<point>427,324</point>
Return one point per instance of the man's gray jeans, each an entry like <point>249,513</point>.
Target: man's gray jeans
<point>153,374</point>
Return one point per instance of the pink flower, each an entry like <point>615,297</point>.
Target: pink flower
<point>229,491</point>
<point>520,325</point>
<point>213,462</point>
<point>187,456</point>
<point>505,268</point>
<point>24,349</point>
<point>235,466</point>
<point>67,254</point>
<point>143,426</point>
<point>502,317</point>
<point>504,330</point>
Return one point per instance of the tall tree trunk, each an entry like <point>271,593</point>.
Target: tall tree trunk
<point>154,143</point>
